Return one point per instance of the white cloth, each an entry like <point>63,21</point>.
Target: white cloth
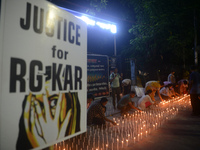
<point>143,100</point>
<point>165,91</point>
<point>167,82</point>
<point>139,91</point>
<point>126,82</point>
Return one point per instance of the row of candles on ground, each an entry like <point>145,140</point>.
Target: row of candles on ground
<point>130,128</point>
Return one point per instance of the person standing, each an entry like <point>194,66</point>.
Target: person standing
<point>194,86</point>
<point>115,85</point>
<point>171,77</point>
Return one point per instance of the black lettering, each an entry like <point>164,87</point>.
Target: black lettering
<point>59,26</point>
<point>78,77</point>
<point>26,24</point>
<point>68,77</point>
<point>53,49</point>
<point>71,31</point>
<point>65,30</point>
<point>60,54</point>
<point>56,77</point>
<point>35,20</point>
<point>70,37</point>
<point>33,87</point>
<point>77,35</point>
<point>65,55</point>
<point>14,77</point>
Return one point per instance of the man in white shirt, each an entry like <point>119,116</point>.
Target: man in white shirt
<point>115,85</point>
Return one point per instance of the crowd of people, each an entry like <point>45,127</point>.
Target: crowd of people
<point>164,90</point>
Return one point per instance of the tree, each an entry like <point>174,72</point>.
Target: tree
<point>163,34</point>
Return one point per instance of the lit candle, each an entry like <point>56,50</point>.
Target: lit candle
<point>129,136</point>
<point>117,143</point>
<point>122,144</point>
<point>112,146</point>
<point>141,135</point>
<point>106,146</point>
<point>66,146</point>
<point>83,145</point>
<point>56,146</point>
<point>146,133</point>
<point>144,126</point>
<point>138,137</point>
<point>134,139</point>
<point>63,144</point>
<point>126,142</point>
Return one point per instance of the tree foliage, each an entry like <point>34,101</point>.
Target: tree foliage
<point>96,6</point>
<point>163,33</point>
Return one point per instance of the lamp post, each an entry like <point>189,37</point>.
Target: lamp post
<point>115,49</point>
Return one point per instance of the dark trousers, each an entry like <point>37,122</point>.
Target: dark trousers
<point>195,102</point>
<point>116,91</point>
<point>124,109</point>
<point>98,121</point>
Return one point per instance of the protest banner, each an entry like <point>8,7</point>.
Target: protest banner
<point>43,80</point>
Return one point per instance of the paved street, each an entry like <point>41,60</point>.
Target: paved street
<point>179,133</point>
<point>182,132</point>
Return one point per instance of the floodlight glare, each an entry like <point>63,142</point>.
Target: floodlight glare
<point>103,25</point>
<point>110,27</point>
<point>87,20</point>
<point>113,28</point>
<point>94,21</point>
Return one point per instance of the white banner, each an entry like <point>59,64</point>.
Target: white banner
<point>43,79</point>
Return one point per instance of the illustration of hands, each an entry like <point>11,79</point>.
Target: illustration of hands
<point>44,123</point>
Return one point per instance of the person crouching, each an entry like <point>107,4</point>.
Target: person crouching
<point>125,103</point>
<point>96,113</point>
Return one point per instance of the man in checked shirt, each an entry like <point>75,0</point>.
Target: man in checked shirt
<point>96,113</point>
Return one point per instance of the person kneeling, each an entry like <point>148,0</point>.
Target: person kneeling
<point>96,113</point>
<point>125,103</point>
<point>165,92</point>
<point>145,101</point>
